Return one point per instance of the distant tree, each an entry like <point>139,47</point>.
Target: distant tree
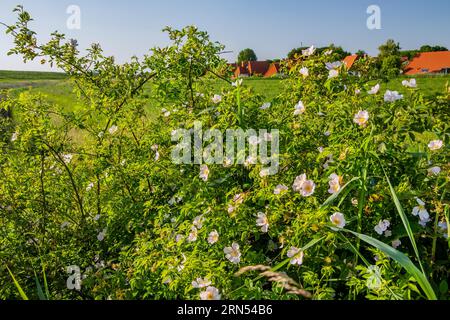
<point>247,55</point>
<point>425,48</point>
<point>409,53</point>
<point>341,53</point>
<point>295,51</point>
<point>361,53</point>
<point>428,48</point>
<point>389,59</point>
<point>390,48</point>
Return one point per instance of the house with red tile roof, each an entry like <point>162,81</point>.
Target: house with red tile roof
<point>252,68</point>
<point>274,69</point>
<point>258,68</point>
<point>349,61</point>
<point>241,71</point>
<point>429,62</point>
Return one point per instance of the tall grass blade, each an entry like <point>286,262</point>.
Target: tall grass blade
<point>47,292</point>
<point>401,259</point>
<point>40,292</point>
<point>19,288</point>
<point>405,220</point>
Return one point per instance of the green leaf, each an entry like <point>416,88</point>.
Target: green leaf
<point>40,292</point>
<point>443,287</point>
<point>19,288</point>
<point>405,220</point>
<point>401,259</point>
<point>47,292</point>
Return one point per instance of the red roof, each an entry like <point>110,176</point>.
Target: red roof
<point>258,67</point>
<point>241,70</point>
<point>429,62</point>
<point>274,69</point>
<point>349,61</point>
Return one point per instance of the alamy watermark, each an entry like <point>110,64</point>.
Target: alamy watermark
<point>74,279</point>
<point>74,20</point>
<point>374,20</point>
<point>232,147</point>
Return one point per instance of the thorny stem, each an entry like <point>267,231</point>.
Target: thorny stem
<point>435,235</point>
<point>44,200</point>
<point>72,180</point>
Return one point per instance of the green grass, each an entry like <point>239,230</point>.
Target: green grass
<point>268,88</point>
<point>59,91</point>
<point>56,92</point>
<point>25,79</point>
<point>429,85</point>
<point>11,76</point>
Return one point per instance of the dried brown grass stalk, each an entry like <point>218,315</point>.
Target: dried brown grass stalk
<point>282,279</point>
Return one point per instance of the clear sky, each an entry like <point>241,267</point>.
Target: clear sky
<point>270,27</point>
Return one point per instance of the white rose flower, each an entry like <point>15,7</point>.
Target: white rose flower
<point>200,283</point>
<point>211,293</point>
<point>296,255</point>
<point>421,211</point>
<point>435,145</point>
<point>232,253</point>
<point>338,220</point>
<point>308,188</point>
<point>309,52</point>
<point>392,96</point>
<point>15,136</point>
<point>361,118</point>
<point>374,89</point>
<point>435,171</point>
<point>396,243</point>
<point>113,130</point>
<point>217,99</point>
<point>193,235</point>
<point>213,237</point>
<point>280,189</point>
<point>304,72</point>
<point>409,84</point>
<point>382,226</point>
<point>263,222</point>
<point>299,108</point>
<point>266,106</point>
<point>204,172</point>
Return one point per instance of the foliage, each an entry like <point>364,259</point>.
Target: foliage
<point>390,59</point>
<point>361,53</point>
<point>390,48</point>
<point>426,48</point>
<point>247,55</point>
<point>338,50</point>
<point>114,203</point>
<point>30,75</point>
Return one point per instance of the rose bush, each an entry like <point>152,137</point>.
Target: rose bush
<point>359,208</point>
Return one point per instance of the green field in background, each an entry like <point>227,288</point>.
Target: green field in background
<point>59,90</point>
<point>8,76</point>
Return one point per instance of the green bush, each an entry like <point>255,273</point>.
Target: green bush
<point>96,187</point>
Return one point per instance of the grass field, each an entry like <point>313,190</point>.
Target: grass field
<point>11,76</point>
<point>59,91</point>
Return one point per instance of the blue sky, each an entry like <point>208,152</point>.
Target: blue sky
<point>271,28</point>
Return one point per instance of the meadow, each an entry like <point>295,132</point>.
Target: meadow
<point>95,204</point>
<point>58,89</point>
